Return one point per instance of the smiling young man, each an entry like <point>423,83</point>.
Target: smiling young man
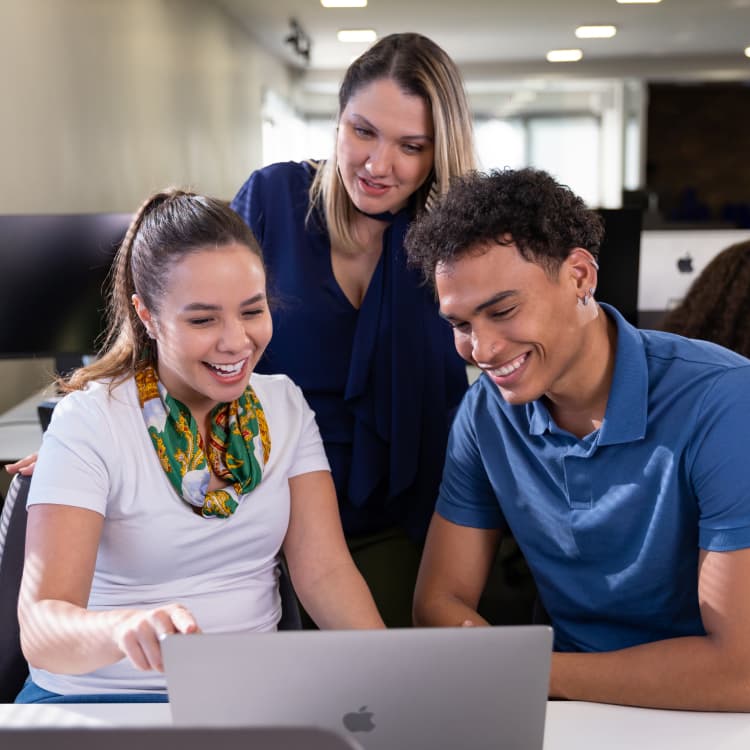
<point>617,457</point>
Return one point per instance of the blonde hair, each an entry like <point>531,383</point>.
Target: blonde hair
<point>420,68</point>
<point>168,226</point>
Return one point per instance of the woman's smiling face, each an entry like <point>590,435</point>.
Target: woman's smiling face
<point>212,325</point>
<point>384,147</point>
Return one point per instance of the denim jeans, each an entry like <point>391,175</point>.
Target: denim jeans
<point>32,693</point>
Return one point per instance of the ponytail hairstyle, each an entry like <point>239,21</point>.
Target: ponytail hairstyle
<point>168,226</point>
<point>419,67</point>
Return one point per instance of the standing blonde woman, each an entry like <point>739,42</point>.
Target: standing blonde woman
<point>356,329</point>
<point>172,475</point>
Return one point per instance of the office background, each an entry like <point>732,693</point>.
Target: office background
<point>103,101</point>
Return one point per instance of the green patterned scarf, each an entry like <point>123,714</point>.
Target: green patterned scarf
<point>237,451</point>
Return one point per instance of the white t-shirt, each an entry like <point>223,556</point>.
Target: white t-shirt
<point>154,548</point>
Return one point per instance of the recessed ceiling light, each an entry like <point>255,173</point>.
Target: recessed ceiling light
<point>564,55</point>
<point>637,2</point>
<point>596,32</point>
<point>357,35</point>
<point>343,3</point>
<point>747,51</point>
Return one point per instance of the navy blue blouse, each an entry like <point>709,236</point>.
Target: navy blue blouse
<point>384,380</point>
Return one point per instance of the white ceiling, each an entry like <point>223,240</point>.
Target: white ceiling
<point>506,39</point>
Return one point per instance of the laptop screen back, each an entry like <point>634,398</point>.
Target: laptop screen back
<point>471,688</point>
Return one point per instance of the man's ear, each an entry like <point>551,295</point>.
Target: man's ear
<point>144,314</point>
<point>583,270</point>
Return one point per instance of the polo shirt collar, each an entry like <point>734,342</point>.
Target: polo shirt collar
<point>627,405</point>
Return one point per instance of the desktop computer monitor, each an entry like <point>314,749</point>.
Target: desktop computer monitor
<point>53,270</point>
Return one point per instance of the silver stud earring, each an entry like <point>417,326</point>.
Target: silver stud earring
<point>589,295</point>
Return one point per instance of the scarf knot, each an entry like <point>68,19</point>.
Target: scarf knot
<point>236,450</point>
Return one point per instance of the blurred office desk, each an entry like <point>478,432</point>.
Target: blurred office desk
<point>570,725</point>
<point>20,429</point>
<point>585,726</point>
<point>85,714</point>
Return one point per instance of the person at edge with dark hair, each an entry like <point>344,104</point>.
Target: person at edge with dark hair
<point>172,475</point>
<point>717,305</point>
<point>617,457</point>
<point>353,327</point>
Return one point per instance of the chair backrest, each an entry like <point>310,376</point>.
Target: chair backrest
<point>13,667</point>
<point>291,618</point>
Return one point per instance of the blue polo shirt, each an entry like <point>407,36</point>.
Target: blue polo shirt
<point>611,524</point>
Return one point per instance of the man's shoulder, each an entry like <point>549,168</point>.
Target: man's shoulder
<point>690,354</point>
<point>693,375</point>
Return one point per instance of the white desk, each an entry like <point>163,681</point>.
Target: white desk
<point>570,725</point>
<point>20,431</point>
<point>85,714</point>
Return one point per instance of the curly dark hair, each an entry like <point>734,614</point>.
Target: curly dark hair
<point>545,220</point>
<point>717,305</point>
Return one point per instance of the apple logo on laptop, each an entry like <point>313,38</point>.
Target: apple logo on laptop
<point>359,721</point>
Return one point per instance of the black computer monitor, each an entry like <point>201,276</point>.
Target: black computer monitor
<point>53,269</point>
<point>619,260</point>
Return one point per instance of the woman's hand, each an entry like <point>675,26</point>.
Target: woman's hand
<point>24,466</point>
<point>139,635</point>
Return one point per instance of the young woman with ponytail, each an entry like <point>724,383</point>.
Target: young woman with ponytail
<point>171,475</point>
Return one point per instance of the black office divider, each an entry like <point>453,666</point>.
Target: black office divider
<point>619,260</point>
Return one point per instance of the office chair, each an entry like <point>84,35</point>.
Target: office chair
<point>291,618</point>
<point>13,666</point>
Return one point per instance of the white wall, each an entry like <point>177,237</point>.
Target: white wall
<point>103,102</point>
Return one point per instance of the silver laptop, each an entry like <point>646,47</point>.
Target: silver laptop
<point>400,689</point>
<point>166,738</point>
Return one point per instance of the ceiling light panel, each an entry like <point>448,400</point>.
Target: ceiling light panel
<point>357,35</point>
<point>596,32</point>
<point>564,55</point>
<point>343,3</point>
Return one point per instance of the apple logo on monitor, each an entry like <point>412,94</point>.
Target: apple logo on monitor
<point>685,264</point>
<point>359,721</point>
